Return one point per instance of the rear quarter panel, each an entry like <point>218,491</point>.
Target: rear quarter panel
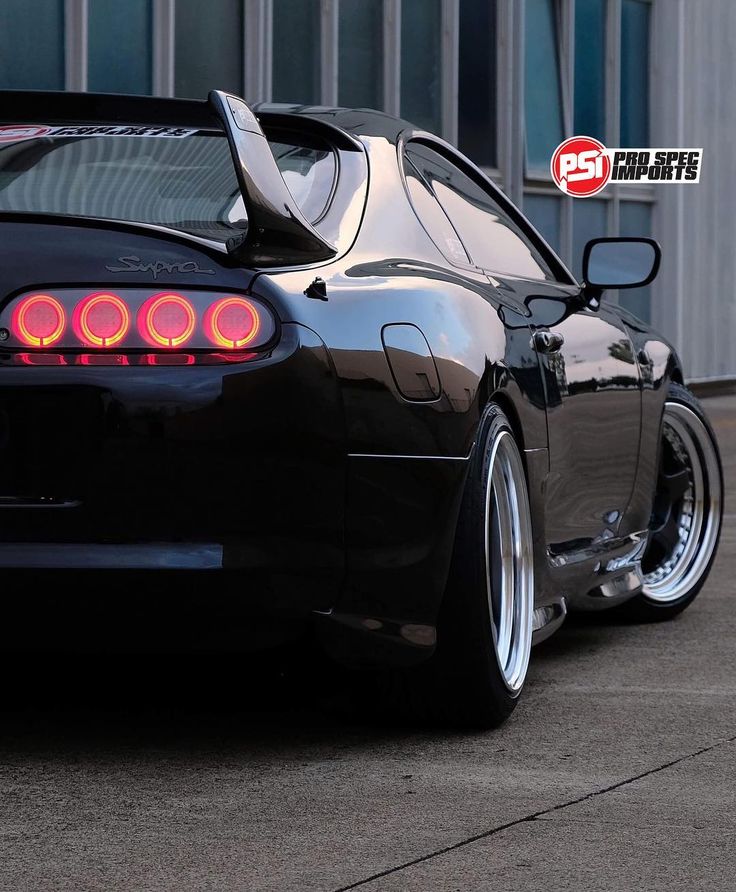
<point>408,460</point>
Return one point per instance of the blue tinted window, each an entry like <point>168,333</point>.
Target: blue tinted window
<point>544,213</point>
<point>32,45</point>
<point>477,81</point>
<point>634,73</point>
<point>590,62</point>
<point>120,65</point>
<point>209,47</point>
<point>589,220</point>
<point>542,95</point>
<point>296,48</point>
<point>421,65</point>
<point>361,59</point>
<point>636,219</point>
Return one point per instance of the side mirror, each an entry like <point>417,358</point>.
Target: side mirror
<point>619,263</point>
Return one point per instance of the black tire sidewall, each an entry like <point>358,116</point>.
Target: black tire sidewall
<point>647,608</point>
<point>466,651</point>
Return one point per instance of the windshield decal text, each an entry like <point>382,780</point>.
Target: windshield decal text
<point>20,132</point>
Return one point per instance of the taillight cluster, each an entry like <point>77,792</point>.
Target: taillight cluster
<point>132,319</point>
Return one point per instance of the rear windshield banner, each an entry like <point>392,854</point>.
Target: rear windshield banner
<point>20,132</point>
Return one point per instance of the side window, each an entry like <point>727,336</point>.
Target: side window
<point>432,217</point>
<point>493,240</point>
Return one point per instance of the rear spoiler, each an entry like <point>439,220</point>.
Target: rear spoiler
<point>276,234</point>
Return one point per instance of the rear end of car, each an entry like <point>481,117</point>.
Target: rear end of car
<point>153,413</point>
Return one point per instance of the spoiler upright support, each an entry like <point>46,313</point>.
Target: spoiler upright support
<point>277,233</point>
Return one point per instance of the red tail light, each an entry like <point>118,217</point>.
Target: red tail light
<point>167,320</point>
<point>101,320</point>
<point>103,359</point>
<point>232,322</point>
<point>40,359</point>
<point>167,359</point>
<point>132,326</point>
<point>39,320</point>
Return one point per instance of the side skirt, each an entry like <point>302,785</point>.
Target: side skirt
<point>548,619</point>
<point>602,574</point>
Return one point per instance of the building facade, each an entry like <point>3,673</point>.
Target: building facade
<point>505,80</point>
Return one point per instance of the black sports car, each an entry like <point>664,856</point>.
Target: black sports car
<point>318,351</point>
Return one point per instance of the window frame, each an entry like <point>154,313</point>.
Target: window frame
<point>543,174</point>
<point>619,74</point>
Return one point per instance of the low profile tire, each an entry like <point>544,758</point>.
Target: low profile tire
<point>688,508</point>
<point>485,625</point>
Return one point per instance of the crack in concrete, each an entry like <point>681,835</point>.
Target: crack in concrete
<point>534,816</point>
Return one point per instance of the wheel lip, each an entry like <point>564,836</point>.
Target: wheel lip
<point>505,457</point>
<point>702,539</point>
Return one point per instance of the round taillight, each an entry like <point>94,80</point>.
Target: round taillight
<point>166,320</point>
<point>101,320</point>
<point>232,322</point>
<point>39,320</point>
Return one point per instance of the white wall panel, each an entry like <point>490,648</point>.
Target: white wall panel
<point>694,104</point>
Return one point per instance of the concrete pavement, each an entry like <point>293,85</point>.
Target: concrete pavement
<point>616,772</point>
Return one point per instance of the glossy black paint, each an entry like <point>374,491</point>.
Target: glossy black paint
<point>275,232</point>
<point>316,470</point>
<point>411,361</point>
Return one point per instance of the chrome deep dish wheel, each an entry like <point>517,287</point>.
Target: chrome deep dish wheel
<point>687,508</point>
<point>509,560</point>
<point>484,630</point>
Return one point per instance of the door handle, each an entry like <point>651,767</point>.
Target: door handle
<point>545,341</point>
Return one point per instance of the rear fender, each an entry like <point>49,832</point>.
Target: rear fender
<point>659,365</point>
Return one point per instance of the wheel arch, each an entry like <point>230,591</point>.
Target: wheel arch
<point>676,375</point>
<point>504,401</point>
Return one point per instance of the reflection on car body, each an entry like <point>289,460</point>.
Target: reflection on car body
<point>429,465</point>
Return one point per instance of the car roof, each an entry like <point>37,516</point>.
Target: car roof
<point>37,106</point>
<point>356,121</point>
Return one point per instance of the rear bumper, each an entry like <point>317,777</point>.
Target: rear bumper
<point>236,467</point>
<point>101,556</point>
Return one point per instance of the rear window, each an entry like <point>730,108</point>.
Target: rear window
<point>309,169</point>
<point>186,183</point>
